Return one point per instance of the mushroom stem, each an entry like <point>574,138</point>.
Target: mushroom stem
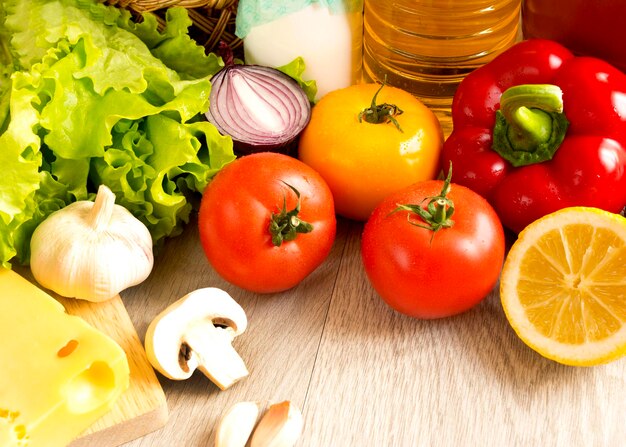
<point>212,351</point>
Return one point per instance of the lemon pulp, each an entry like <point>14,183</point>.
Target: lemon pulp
<point>563,286</point>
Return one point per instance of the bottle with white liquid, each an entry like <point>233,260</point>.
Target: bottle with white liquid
<point>327,34</point>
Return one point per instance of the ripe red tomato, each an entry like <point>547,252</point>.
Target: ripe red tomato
<point>432,274</point>
<point>235,216</point>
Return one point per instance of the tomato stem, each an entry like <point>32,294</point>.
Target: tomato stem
<point>285,225</point>
<point>381,113</point>
<point>438,211</point>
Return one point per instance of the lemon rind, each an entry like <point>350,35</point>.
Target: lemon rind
<point>585,354</point>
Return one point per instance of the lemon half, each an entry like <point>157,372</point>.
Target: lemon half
<point>563,286</point>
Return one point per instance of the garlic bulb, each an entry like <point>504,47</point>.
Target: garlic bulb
<point>91,250</point>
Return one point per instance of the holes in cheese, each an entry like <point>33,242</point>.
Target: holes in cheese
<point>12,432</point>
<point>69,376</point>
<point>89,389</point>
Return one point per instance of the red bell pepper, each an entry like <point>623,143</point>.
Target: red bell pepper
<point>537,130</point>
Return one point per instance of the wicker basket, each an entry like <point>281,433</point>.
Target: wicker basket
<point>213,20</point>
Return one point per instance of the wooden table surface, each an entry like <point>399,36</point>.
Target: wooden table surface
<point>366,376</point>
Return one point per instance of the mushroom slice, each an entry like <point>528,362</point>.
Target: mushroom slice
<point>196,332</point>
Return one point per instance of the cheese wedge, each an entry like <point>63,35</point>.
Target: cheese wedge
<point>58,374</point>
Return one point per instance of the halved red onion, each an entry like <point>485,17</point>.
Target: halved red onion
<point>261,108</point>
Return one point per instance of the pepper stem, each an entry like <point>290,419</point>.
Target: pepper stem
<point>285,225</point>
<point>438,212</point>
<point>381,113</point>
<point>530,125</point>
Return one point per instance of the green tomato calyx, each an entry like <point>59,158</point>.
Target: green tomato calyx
<point>381,113</point>
<point>285,225</point>
<point>438,212</point>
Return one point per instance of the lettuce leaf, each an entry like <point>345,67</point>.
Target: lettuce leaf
<point>295,69</point>
<point>6,69</point>
<point>95,98</point>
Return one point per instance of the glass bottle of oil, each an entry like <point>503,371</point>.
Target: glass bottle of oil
<point>428,46</point>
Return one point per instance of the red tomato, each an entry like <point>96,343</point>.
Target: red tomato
<point>426,274</point>
<point>235,215</point>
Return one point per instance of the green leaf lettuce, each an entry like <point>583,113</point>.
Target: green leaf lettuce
<point>93,97</point>
<point>295,69</point>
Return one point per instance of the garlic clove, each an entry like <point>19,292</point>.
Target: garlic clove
<point>280,426</point>
<point>91,250</point>
<point>236,425</point>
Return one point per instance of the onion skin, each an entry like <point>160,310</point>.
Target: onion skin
<point>260,108</point>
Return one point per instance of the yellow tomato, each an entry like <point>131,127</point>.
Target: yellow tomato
<point>364,162</point>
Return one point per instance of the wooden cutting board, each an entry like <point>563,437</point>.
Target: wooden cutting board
<point>142,408</point>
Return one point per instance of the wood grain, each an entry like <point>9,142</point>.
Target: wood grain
<point>279,346</point>
<point>366,376</point>
<point>142,408</point>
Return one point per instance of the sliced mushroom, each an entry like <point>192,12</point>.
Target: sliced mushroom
<point>196,332</point>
